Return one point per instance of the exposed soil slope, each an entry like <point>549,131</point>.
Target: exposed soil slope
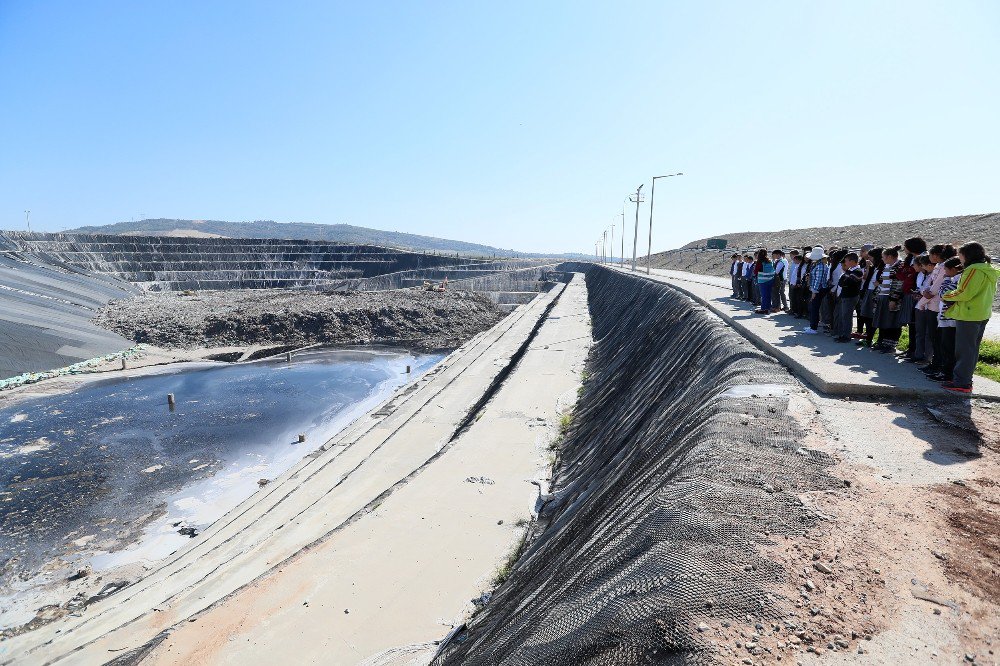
<point>984,228</point>
<point>423,320</point>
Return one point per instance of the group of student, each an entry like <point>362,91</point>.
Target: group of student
<point>943,296</point>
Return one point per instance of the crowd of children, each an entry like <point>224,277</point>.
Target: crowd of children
<point>942,296</point>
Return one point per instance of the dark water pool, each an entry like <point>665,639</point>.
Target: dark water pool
<point>109,474</point>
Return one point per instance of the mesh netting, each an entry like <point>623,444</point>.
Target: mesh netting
<point>664,491</point>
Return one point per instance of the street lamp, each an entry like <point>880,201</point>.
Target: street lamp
<point>612,245</point>
<point>621,259</point>
<point>652,193</point>
<point>637,197</point>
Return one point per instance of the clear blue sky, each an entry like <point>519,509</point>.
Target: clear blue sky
<point>514,124</point>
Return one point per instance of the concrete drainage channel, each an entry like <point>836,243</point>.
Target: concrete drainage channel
<point>638,549</point>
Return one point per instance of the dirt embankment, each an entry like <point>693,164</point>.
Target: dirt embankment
<point>984,228</point>
<point>417,319</point>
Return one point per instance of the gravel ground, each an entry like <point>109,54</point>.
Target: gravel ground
<point>416,319</point>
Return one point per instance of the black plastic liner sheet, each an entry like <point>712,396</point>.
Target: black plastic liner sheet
<point>680,462</point>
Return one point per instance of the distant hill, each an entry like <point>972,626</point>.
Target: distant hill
<point>345,233</point>
<point>984,228</point>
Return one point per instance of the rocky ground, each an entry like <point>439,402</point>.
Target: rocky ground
<point>902,568</point>
<point>417,319</point>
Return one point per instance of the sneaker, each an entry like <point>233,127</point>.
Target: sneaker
<point>764,312</point>
<point>929,370</point>
<point>857,336</point>
<point>809,331</point>
<point>842,338</point>
<point>952,386</point>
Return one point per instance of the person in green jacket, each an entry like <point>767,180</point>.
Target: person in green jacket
<point>971,309</point>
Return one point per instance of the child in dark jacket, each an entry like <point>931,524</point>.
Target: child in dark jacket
<point>850,291</point>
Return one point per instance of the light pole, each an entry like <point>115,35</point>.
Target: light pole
<point>652,194</point>
<point>621,259</point>
<point>635,237</point>
<point>612,245</point>
<point>604,246</point>
<point>27,219</point>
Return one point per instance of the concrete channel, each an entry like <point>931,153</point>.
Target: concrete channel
<point>376,536</point>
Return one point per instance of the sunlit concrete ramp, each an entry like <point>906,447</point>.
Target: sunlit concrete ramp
<point>834,368</point>
<point>370,548</point>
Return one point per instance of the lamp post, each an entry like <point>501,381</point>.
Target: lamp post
<point>612,245</point>
<point>621,259</point>
<point>27,219</point>
<point>635,237</point>
<point>604,246</point>
<point>652,194</point>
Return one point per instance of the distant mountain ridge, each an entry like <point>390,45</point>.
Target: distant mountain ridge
<point>344,233</point>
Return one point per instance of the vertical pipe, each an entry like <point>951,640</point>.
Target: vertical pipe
<point>635,237</point>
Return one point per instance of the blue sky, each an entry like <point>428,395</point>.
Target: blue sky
<point>514,124</point>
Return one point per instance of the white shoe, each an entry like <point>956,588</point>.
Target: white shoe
<point>809,331</point>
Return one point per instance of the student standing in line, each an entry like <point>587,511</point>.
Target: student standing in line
<point>779,301</point>
<point>804,280</point>
<point>938,254</point>
<point>972,306</point>
<point>734,274</point>
<point>819,277</point>
<point>889,313</point>
<point>754,270</point>
<point>914,247</point>
<point>765,281</point>
<point>921,316</point>
<point>870,295</point>
<point>794,273</point>
<point>863,261</point>
<point>850,290</point>
<point>944,357</point>
<point>830,302</point>
<point>748,278</point>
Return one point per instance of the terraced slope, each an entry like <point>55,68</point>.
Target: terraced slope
<point>175,264</point>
